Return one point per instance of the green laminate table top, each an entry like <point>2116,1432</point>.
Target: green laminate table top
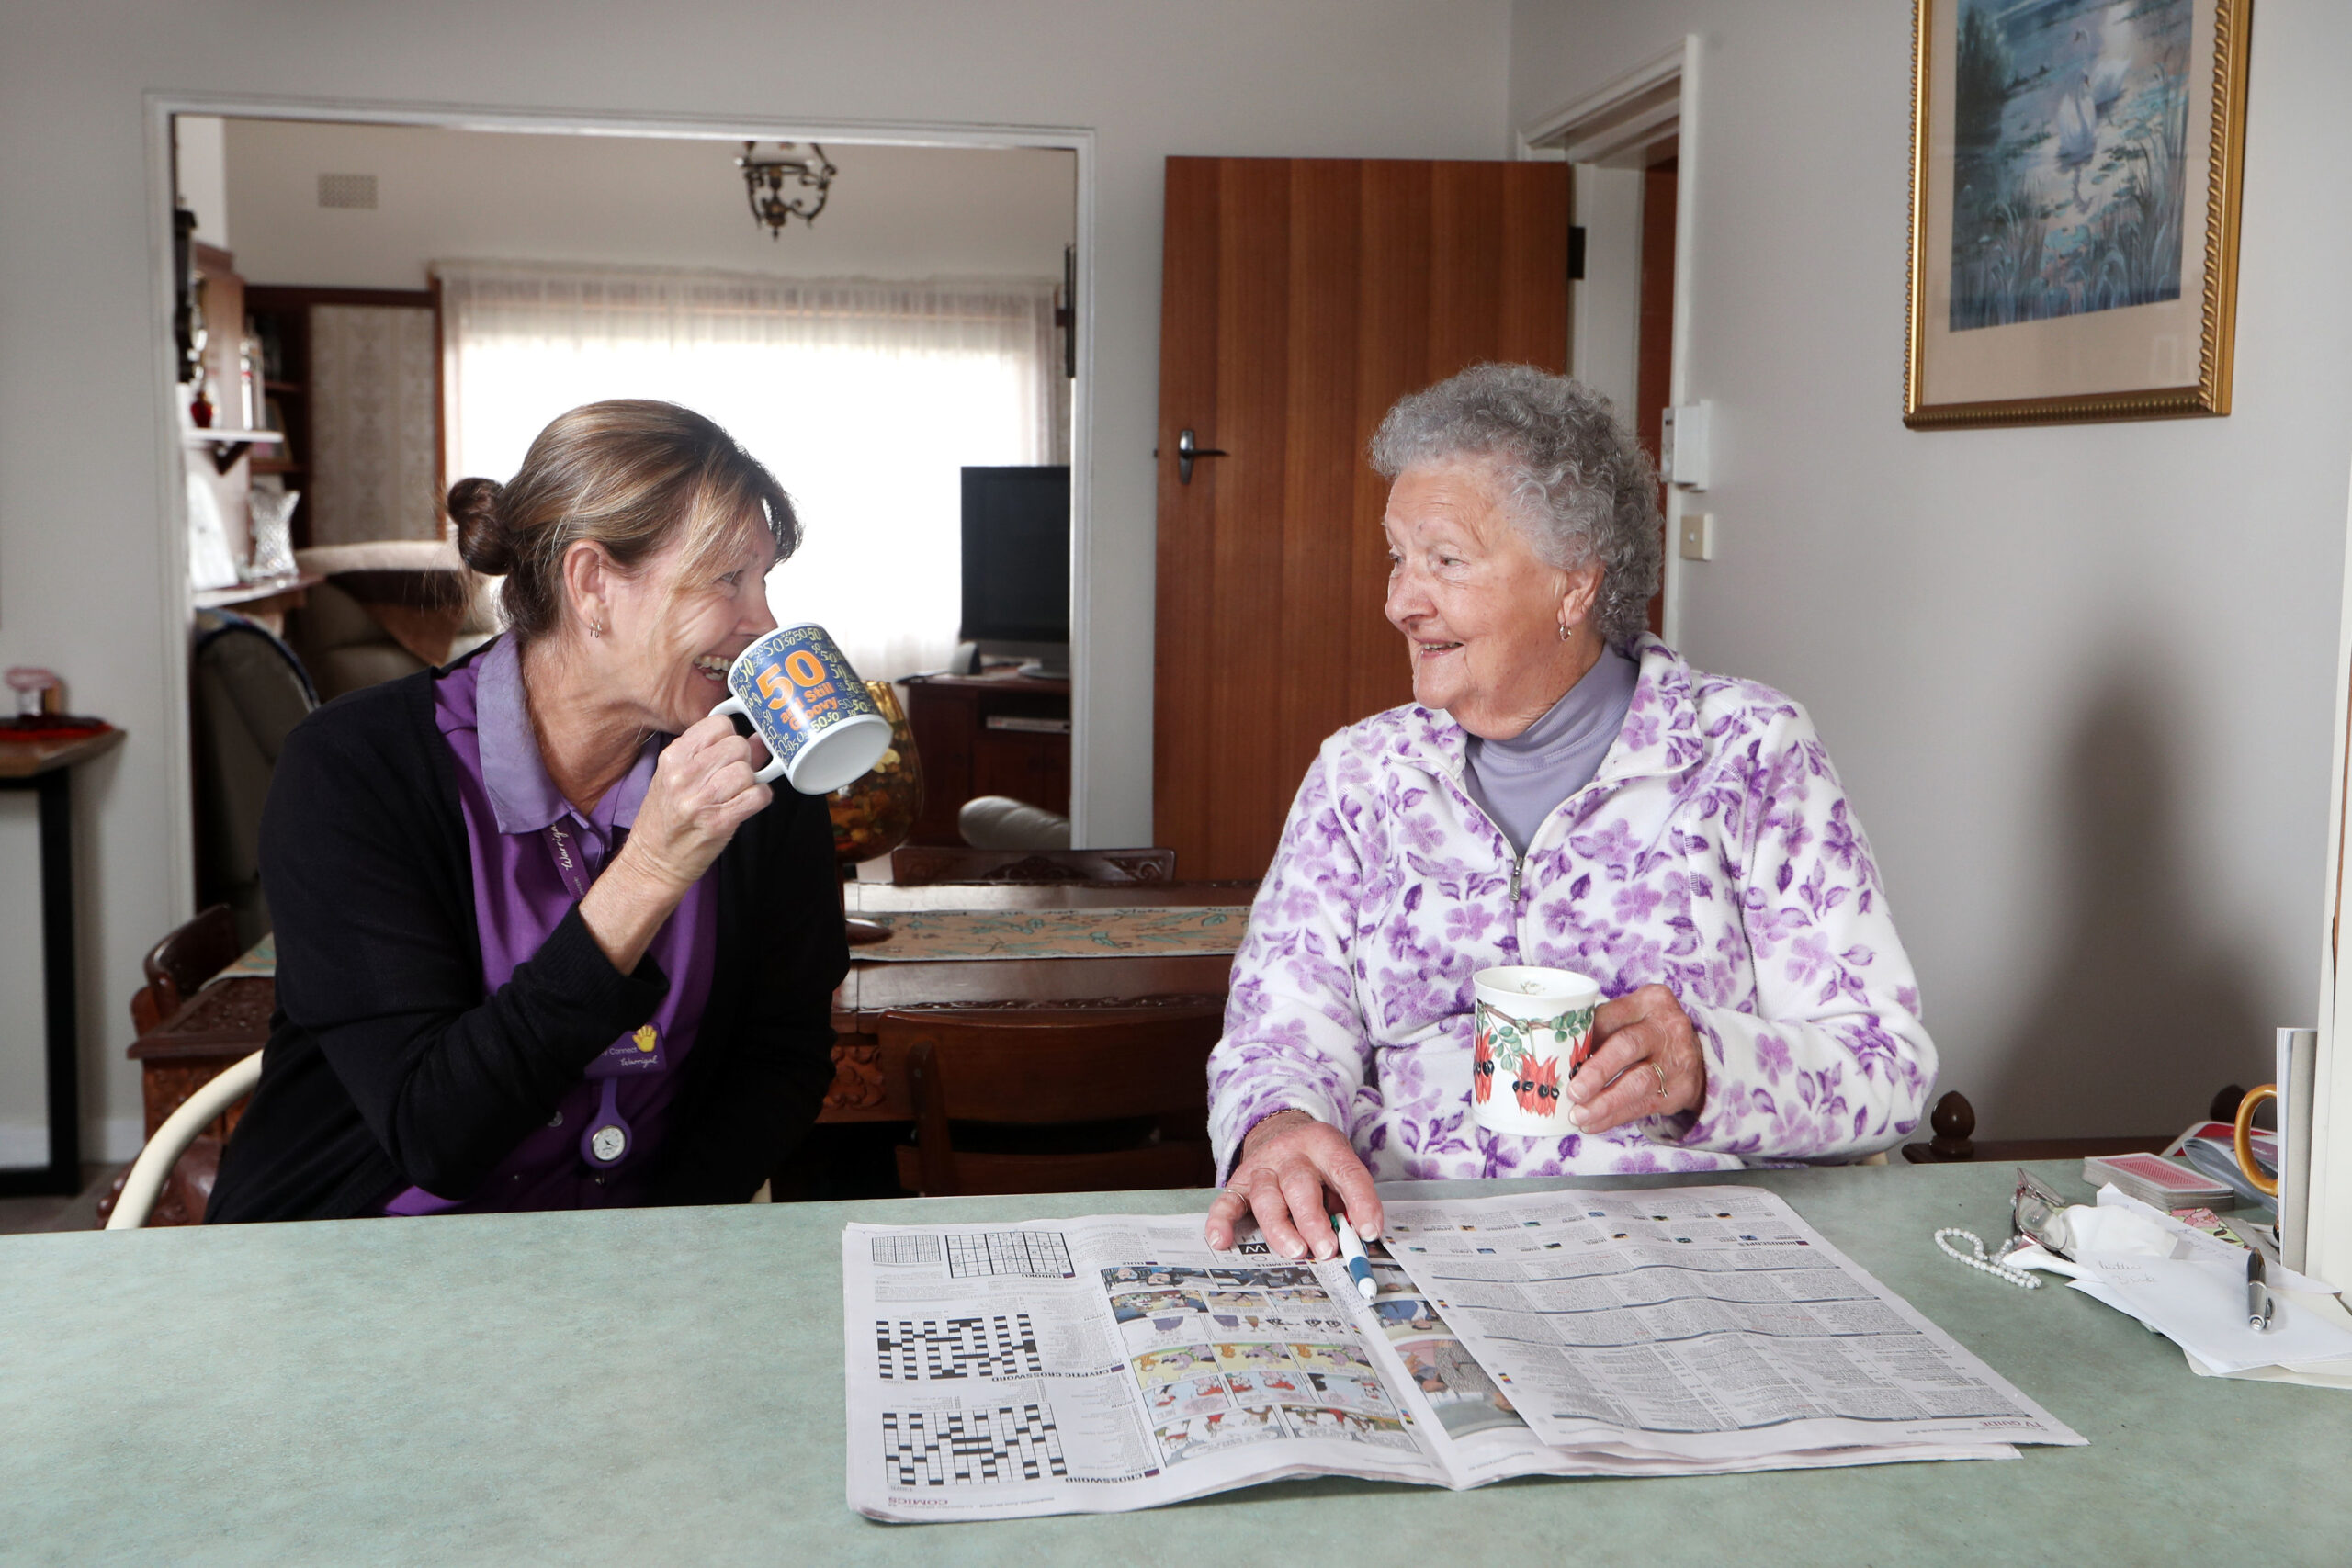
<point>665,1387</point>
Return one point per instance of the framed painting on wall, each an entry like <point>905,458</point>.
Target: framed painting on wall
<point>2074,172</point>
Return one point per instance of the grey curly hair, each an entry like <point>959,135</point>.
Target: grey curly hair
<point>1581,488</point>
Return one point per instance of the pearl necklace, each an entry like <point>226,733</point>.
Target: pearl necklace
<point>1999,1270</point>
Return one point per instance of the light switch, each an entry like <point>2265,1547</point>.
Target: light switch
<point>1697,535</point>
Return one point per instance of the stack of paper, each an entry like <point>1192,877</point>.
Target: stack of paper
<point>1115,1362</point>
<point>2190,1286</point>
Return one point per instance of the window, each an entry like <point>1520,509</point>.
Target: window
<point>865,398</point>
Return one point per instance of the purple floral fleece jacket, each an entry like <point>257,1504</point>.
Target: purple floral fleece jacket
<point>1714,853</point>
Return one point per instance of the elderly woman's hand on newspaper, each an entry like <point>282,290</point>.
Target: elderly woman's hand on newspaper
<point>1286,1165</point>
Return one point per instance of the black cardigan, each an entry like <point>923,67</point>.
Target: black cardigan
<point>386,1065</point>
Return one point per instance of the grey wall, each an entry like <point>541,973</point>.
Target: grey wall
<point>82,492</point>
<point>2078,679</point>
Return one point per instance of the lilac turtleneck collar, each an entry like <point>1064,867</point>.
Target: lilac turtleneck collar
<point>1519,780</point>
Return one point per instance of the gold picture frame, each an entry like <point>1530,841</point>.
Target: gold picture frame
<point>2053,243</point>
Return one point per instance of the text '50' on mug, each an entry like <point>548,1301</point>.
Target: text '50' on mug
<point>808,708</point>
<point>1534,1028</point>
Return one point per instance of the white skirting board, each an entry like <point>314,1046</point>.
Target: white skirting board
<point>117,1138</point>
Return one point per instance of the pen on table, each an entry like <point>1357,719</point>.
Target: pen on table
<point>1352,1251</point>
<point>2258,1304</point>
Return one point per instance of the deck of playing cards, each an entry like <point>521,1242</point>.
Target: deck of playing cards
<point>2161,1183</point>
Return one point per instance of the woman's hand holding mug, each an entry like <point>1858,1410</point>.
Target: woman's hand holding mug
<point>704,788</point>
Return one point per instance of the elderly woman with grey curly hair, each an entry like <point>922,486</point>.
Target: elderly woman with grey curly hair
<point>1563,791</point>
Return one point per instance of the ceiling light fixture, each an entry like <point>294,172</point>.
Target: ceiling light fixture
<point>764,182</point>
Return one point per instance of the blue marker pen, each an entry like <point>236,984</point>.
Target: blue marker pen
<point>1352,1251</point>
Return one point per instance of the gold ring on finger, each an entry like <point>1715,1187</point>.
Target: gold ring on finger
<point>1661,1077</point>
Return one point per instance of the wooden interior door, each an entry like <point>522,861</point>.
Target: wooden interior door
<point>1300,299</point>
<point>1654,339</point>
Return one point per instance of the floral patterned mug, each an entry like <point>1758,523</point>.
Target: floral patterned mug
<point>1533,1028</point>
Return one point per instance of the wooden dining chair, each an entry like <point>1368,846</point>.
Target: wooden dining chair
<point>926,865</point>
<point>1009,1100</point>
<point>179,965</point>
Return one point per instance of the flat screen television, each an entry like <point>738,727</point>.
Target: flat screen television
<point>1016,563</point>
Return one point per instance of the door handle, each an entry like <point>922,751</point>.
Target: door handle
<point>1187,450</point>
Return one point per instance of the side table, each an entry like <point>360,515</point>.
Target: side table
<point>1003,733</point>
<point>46,767</point>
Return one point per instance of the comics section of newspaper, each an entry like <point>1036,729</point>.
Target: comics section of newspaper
<point>1098,1365</point>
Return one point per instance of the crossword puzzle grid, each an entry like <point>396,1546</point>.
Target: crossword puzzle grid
<point>931,1349</point>
<point>906,1249</point>
<point>970,1448</point>
<point>1036,1254</point>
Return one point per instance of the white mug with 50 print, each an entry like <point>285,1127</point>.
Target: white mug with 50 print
<point>808,708</point>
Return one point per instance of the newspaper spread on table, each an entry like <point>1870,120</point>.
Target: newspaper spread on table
<point>1114,1362</point>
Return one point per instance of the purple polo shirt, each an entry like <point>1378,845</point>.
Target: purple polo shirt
<point>519,898</point>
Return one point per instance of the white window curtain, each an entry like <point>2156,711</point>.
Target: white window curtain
<point>865,398</point>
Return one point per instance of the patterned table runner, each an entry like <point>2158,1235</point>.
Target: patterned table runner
<point>261,959</point>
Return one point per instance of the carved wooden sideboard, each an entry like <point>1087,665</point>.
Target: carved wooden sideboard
<point>870,1080</point>
<point>217,1028</point>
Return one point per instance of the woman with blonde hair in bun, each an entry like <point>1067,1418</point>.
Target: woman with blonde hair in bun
<point>543,940</point>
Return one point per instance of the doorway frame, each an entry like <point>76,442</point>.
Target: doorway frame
<point>1654,101</point>
<point>173,596</point>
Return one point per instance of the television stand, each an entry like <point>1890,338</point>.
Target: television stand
<point>1004,732</point>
